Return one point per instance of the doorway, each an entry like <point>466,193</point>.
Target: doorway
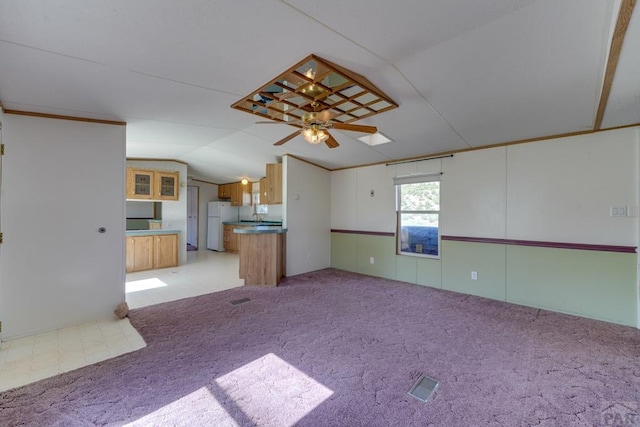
<point>192,218</point>
<point>1,155</point>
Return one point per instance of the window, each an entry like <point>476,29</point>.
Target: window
<point>258,209</point>
<point>418,215</point>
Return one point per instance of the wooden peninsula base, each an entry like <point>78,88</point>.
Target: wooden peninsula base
<point>262,255</point>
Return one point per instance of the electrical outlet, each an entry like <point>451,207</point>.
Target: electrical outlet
<point>371,260</point>
<point>474,275</point>
<point>308,255</point>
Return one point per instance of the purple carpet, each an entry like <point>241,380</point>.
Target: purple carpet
<point>332,348</point>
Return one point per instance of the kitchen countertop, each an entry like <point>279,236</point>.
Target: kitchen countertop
<point>261,229</point>
<point>253,223</point>
<point>150,232</point>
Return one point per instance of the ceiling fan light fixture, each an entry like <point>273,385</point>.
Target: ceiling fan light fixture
<point>310,73</point>
<point>314,135</point>
<point>313,90</point>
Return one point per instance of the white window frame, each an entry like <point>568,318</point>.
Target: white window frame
<point>414,179</point>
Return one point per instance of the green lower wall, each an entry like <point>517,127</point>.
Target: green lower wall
<point>459,259</point>
<point>599,285</point>
<point>594,284</point>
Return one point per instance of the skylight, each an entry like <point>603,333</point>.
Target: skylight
<point>377,138</point>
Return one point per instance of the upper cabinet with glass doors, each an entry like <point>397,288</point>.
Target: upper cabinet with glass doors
<point>147,184</point>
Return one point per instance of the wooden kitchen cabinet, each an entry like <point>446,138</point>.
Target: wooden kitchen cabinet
<point>264,199</point>
<point>167,185</point>
<point>153,251</point>
<point>262,258</point>
<point>165,250</point>
<point>271,185</point>
<point>152,185</point>
<point>240,194</point>
<point>274,183</point>
<point>140,184</point>
<point>224,191</point>
<point>139,253</point>
<point>229,239</point>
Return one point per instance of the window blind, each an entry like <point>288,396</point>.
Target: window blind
<point>416,178</point>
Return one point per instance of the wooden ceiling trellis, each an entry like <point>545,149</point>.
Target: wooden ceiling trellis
<point>313,85</point>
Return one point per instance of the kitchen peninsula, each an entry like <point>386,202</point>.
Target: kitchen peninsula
<point>262,254</point>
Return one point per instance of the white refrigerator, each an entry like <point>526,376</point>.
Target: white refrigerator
<point>219,212</point>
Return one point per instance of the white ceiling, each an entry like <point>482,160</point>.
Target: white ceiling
<point>465,73</point>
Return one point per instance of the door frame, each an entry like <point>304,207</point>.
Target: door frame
<point>197,214</point>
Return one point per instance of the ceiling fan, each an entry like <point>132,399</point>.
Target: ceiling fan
<point>314,128</point>
<point>316,95</point>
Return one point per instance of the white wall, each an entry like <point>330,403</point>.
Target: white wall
<point>562,190</point>
<point>206,193</point>
<point>556,190</point>
<point>353,207</point>
<point>62,180</point>
<point>473,194</point>
<point>139,209</point>
<point>274,213</point>
<point>307,214</point>
<point>174,212</point>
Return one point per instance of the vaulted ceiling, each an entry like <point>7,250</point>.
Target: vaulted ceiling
<point>464,73</point>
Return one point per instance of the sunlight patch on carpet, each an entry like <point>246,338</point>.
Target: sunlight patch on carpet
<point>424,388</point>
<point>273,391</point>
<point>143,285</point>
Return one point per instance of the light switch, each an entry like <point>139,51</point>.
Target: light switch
<point>618,211</point>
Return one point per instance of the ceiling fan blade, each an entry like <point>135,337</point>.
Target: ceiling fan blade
<point>294,123</point>
<point>325,115</point>
<point>355,128</point>
<point>331,141</point>
<point>287,138</point>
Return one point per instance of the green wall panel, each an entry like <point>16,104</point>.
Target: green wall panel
<point>601,285</point>
<point>429,272</point>
<point>488,260</point>
<point>406,268</point>
<point>383,250</point>
<point>344,251</point>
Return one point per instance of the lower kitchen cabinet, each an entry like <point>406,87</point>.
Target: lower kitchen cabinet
<point>230,239</point>
<point>153,251</point>
<point>139,253</point>
<point>165,250</point>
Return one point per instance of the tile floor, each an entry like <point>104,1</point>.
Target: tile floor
<point>32,358</point>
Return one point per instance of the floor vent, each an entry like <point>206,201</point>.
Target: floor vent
<point>424,388</point>
<point>240,301</point>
